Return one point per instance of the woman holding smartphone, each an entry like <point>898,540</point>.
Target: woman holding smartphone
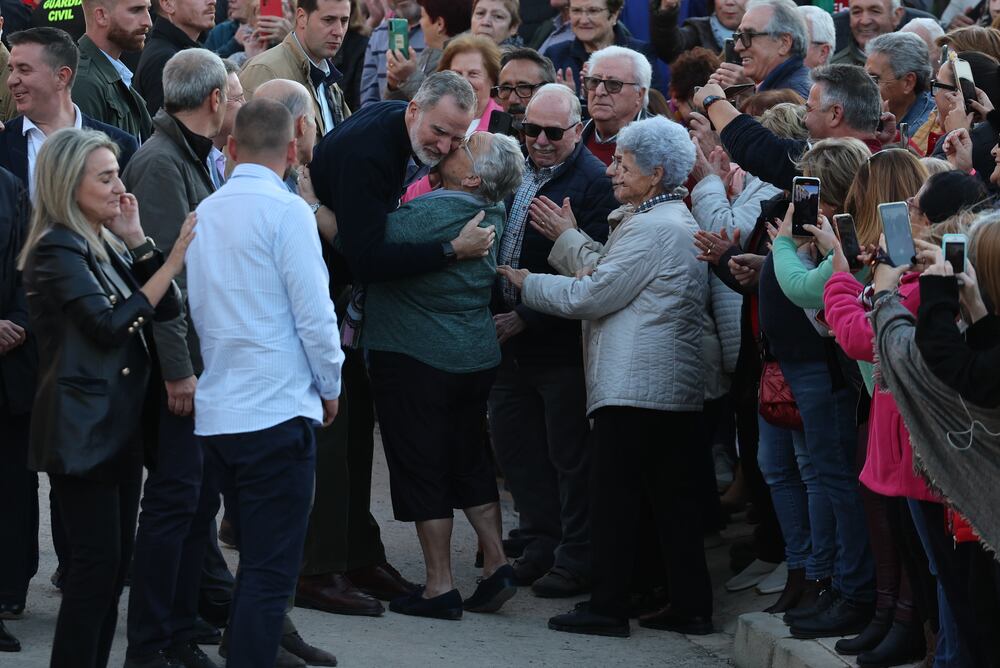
<point>94,284</point>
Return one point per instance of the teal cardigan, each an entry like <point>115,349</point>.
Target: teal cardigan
<point>802,286</point>
<point>441,318</point>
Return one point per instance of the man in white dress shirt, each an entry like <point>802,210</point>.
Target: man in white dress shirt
<point>260,302</point>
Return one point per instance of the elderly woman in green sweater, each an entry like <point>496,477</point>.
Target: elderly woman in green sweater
<point>432,351</point>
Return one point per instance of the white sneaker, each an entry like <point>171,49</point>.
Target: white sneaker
<point>775,582</point>
<point>751,575</point>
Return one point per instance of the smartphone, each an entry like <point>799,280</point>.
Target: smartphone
<point>944,54</point>
<point>898,237</point>
<point>399,36</point>
<point>271,8</point>
<point>730,53</point>
<point>964,80</point>
<point>733,91</point>
<point>904,135</point>
<point>501,123</point>
<point>805,197</point>
<point>953,246</point>
<point>848,233</point>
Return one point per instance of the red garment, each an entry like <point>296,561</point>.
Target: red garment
<point>605,152</point>
<point>888,466</point>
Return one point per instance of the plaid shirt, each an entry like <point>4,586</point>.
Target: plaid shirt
<point>679,193</point>
<point>513,234</point>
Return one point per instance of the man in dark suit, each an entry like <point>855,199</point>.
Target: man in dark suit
<point>43,63</point>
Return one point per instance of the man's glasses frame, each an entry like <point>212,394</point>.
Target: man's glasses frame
<point>523,91</point>
<point>746,37</point>
<point>612,86</point>
<point>553,133</point>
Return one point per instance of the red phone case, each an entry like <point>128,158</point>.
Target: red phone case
<point>271,8</point>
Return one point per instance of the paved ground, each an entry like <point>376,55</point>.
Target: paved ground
<point>517,636</point>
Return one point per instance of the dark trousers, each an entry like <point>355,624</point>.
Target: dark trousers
<point>653,453</point>
<point>271,473</point>
<point>343,534</point>
<point>19,501</point>
<point>99,521</point>
<point>538,420</point>
<point>170,543</point>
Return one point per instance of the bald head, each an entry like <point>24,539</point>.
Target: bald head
<point>293,96</point>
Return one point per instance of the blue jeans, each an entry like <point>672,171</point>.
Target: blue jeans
<point>801,506</point>
<point>271,473</point>
<point>831,439</point>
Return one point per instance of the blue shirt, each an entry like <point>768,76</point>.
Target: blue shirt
<point>124,72</point>
<point>259,295</point>
<point>919,112</point>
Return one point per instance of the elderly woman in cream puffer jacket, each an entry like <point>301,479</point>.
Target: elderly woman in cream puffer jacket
<point>641,297</point>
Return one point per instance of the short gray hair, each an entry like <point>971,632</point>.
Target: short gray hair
<point>658,142</point>
<point>930,26</point>
<point>819,23</point>
<point>785,20</point>
<point>641,68</point>
<point>854,90</point>
<point>442,84</point>
<point>189,77</point>
<point>906,53</point>
<point>500,168</point>
<point>559,90</point>
<point>293,95</point>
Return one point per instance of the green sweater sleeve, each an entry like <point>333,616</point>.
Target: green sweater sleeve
<point>804,287</point>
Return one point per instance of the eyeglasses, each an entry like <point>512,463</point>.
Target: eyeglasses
<point>553,134</point>
<point>523,91</point>
<point>589,12</point>
<point>613,86</point>
<point>242,99</point>
<point>937,85</point>
<point>879,80</point>
<point>746,37</point>
<point>912,205</point>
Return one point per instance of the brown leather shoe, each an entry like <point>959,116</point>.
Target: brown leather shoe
<point>381,581</point>
<point>335,593</point>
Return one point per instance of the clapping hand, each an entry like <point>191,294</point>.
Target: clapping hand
<point>550,219</point>
<point>712,246</point>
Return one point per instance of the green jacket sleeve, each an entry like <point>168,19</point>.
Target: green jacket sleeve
<point>803,287</point>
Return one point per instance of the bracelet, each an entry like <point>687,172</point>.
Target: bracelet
<point>143,251</point>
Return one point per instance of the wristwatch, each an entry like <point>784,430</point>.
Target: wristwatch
<point>314,207</point>
<point>143,251</point>
<point>710,100</point>
<point>449,252</point>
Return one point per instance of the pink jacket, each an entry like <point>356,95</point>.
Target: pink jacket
<point>888,466</point>
<point>423,186</point>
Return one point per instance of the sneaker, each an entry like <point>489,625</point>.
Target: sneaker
<point>775,582</point>
<point>559,583</point>
<point>751,575</point>
<point>582,620</point>
<point>492,592</point>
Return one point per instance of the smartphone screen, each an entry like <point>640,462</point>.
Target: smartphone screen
<point>848,239</point>
<point>501,123</point>
<point>805,196</point>
<point>271,8</point>
<point>896,227</point>
<point>954,253</point>
<point>964,79</point>
<point>399,36</point>
<point>731,55</point>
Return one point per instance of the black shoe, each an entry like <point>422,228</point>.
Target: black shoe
<point>8,643</point>
<point>526,572</point>
<point>492,592</point>
<point>582,620</point>
<point>514,547</point>
<point>445,606</point>
<point>559,583</point>
<point>313,656</point>
<point>161,659</point>
<point>214,612</point>
<point>58,578</point>
<point>816,597</point>
<point>669,620</point>
<point>189,655</point>
<point>11,610</point>
<point>648,602</point>
<point>904,643</point>
<point>869,639</point>
<point>843,618</point>
<point>205,633</point>
<point>791,595</point>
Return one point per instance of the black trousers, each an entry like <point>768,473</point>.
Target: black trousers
<point>19,501</point>
<point>99,521</point>
<point>653,453</point>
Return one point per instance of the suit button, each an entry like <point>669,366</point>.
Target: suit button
<point>113,299</point>
<point>131,330</point>
<point>141,320</point>
<point>126,371</point>
<point>136,324</point>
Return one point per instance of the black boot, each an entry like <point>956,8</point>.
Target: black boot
<point>870,637</point>
<point>795,586</point>
<point>817,596</point>
<point>904,643</point>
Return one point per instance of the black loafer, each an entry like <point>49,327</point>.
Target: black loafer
<point>583,620</point>
<point>8,643</point>
<point>445,606</point>
<point>668,619</point>
<point>492,592</point>
<point>11,610</point>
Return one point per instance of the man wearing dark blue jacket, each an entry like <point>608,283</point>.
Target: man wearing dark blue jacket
<point>538,403</point>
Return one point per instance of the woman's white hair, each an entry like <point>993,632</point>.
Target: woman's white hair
<point>658,142</point>
<point>642,71</point>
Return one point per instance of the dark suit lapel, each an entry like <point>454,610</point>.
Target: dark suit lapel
<point>17,145</point>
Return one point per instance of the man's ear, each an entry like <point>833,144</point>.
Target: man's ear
<point>472,181</point>
<point>292,153</point>
<point>300,126</point>
<point>231,148</point>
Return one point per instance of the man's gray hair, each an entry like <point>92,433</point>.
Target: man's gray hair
<point>642,71</point>
<point>500,168</point>
<point>819,23</point>
<point>930,26</point>
<point>559,90</point>
<point>854,90</point>
<point>785,20</point>
<point>906,53</point>
<point>189,77</point>
<point>658,142</point>
<point>442,84</point>
<point>293,95</point>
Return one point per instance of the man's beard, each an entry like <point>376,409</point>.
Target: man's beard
<point>126,41</point>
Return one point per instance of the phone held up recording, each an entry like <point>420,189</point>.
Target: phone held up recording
<point>899,247</point>
<point>843,223</point>
<point>805,197</point>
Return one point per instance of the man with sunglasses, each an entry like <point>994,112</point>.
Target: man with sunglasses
<point>537,406</point>
<point>617,88</point>
<point>522,72</point>
<point>771,41</point>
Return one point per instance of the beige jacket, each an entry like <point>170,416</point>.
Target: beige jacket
<point>288,61</point>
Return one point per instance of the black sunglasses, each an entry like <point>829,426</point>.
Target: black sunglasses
<point>746,37</point>
<point>936,85</point>
<point>613,86</point>
<point>554,134</point>
<point>523,91</point>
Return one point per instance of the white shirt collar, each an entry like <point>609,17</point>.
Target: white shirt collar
<point>29,126</point>
<point>123,71</point>
<point>323,65</point>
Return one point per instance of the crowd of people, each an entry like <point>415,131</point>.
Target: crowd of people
<point>638,259</point>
